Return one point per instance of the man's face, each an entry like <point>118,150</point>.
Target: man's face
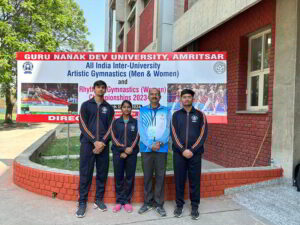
<point>187,100</point>
<point>100,90</point>
<point>154,96</point>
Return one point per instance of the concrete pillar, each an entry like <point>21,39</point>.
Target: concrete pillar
<point>286,91</point>
<point>108,22</point>
<point>111,32</point>
<point>165,20</point>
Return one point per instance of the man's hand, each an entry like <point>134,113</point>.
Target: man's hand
<point>187,153</point>
<point>128,150</point>
<point>97,150</point>
<point>99,145</point>
<point>155,146</point>
<point>123,155</point>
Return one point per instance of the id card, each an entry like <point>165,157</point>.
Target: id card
<point>151,132</point>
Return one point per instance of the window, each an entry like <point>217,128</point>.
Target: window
<point>131,4</point>
<point>258,71</point>
<point>121,36</point>
<point>131,15</point>
<point>121,32</point>
<point>131,22</point>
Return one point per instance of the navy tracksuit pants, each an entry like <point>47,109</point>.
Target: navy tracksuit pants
<point>86,169</point>
<point>184,167</point>
<point>124,185</point>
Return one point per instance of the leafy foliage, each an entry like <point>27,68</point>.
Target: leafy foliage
<point>37,26</point>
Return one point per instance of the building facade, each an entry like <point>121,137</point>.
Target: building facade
<point>261,38</point>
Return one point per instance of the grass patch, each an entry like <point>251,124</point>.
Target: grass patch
<point>60,163</point>
<point>13,124</point>
<point>59,147</point>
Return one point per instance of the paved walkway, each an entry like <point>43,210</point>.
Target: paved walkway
<point>14,141</point>
<point>279,203</point>
<point>18,206</point>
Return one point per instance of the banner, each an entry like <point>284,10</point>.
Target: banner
<point>52,86</point>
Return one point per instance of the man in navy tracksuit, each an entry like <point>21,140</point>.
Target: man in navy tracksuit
<point>96,116</point>
<point>189,132</point>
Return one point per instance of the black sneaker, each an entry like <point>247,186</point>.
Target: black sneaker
<point>161,211</point>
<point>100,205</point>
<point>80,213</point>
<point>178,212</point>
<point>145,208</point>
<point>195,214</point>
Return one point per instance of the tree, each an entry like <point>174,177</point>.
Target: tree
<point>36,26</point>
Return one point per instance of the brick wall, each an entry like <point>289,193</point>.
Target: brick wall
<point>237,143</point>
<point>146,26</point>
<point>65,186</point>
<point>131,39</point>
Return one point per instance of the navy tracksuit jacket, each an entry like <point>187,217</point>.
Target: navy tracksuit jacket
<point>95,125</point>
<point>124,135</point>
<point>95,121</point>
<point>189,131</point>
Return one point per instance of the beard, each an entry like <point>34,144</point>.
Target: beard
<point>187,104</point>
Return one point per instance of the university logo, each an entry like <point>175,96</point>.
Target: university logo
<point>194,119</point>
<point>104,110</point>
<point>219,67</point>
<point>28,67</point>
<point>132,128</point>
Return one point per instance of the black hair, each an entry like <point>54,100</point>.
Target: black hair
<point>100,83</point>
<point>157,89</point>
<point>187,91</point>
<point>128,102</point>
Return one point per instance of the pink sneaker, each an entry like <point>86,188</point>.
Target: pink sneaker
<point>128,208</point>
<point>117,208</point>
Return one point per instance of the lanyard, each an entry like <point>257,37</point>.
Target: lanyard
<point>153,115</point>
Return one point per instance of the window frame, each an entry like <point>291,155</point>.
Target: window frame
<point>260,72</point>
